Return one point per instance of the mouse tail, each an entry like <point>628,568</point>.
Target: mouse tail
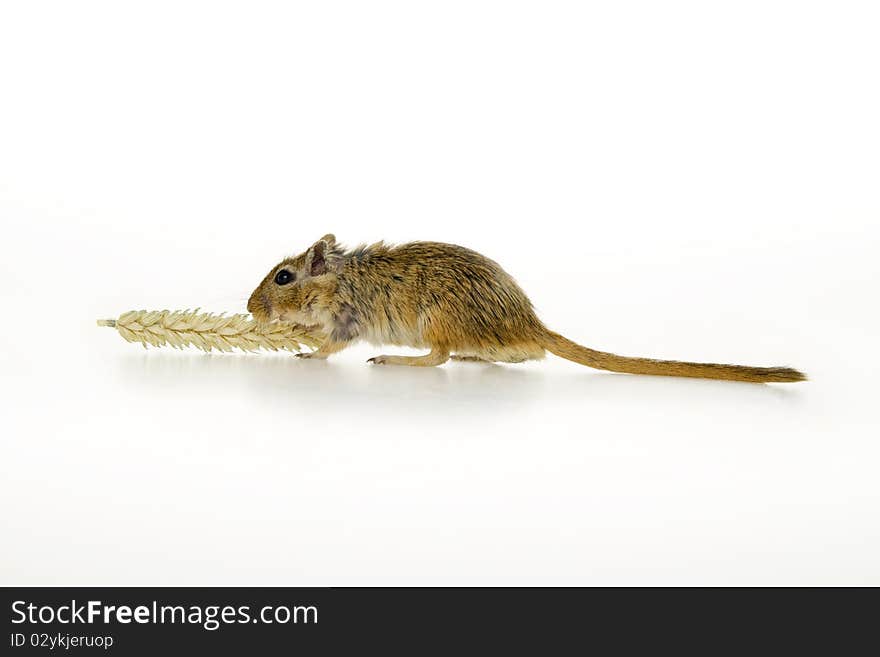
<point>565,348</point>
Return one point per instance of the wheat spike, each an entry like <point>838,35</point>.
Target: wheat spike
<point>209,331</point>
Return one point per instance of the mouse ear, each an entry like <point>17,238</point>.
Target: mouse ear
<point>330,238</point>
<point>316,256</point>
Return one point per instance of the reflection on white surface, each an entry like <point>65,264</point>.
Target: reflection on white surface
<point>289,384</point>
<point>183,467</point>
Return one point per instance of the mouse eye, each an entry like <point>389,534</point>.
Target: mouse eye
<point>284,277</point>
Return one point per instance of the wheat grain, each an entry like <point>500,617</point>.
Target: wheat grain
<point>209,331</point>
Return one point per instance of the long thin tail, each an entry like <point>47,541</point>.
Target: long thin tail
<point>565,348</point>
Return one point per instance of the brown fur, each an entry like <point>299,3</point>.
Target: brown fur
<point>444,298</point>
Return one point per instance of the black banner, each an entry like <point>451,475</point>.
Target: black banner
<point>149,621</point>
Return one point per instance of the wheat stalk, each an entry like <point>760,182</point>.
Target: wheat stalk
<point>209,331</point>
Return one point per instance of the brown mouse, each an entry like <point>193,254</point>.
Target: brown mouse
<point>445,298</point>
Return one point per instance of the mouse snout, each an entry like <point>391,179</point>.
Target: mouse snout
<point>258,305</point>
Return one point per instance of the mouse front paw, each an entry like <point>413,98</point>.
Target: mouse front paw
<point>310,354</point>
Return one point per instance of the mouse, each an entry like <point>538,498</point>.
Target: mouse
<point>446,299</point>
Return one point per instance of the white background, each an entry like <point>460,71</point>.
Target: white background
<point>686,180</point>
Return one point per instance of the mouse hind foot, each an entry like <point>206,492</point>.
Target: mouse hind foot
<point>514,353</point>
<point>436,357</point>
<point>469,359</point>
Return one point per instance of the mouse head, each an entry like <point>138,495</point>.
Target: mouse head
<point>293,286</point>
